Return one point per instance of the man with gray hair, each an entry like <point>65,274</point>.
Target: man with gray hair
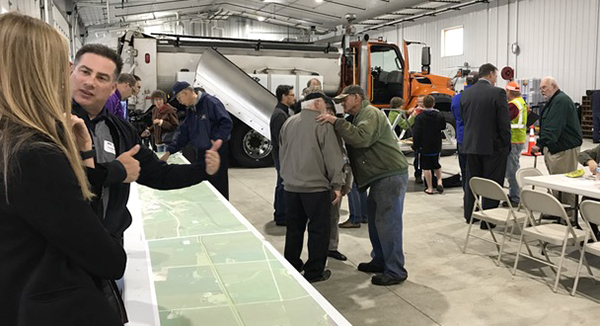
<point>560,133</point>
<point>314,82</point>
<point>311,168</point>
<point>125,88</point>
<point>377,163</point>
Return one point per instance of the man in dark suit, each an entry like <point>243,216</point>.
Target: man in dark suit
<point>486,141</point>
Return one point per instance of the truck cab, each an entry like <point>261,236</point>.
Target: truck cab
<point>384,72</point>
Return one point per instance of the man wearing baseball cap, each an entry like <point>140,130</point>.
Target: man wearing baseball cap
<point>377,163</point>
<point>206,123</point>
<point>517,109</point>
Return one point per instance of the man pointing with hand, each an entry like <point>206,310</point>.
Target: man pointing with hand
<point>119,156</point>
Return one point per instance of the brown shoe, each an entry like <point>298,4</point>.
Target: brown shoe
<point>349,225</point>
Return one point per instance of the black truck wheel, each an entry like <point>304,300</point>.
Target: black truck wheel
<point>249,148</point>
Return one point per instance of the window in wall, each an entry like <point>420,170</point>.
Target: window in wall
<point>452,41</point>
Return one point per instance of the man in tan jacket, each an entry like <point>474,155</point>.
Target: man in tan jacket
<point>311,168</point>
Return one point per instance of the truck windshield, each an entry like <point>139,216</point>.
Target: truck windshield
<point>386,74</point>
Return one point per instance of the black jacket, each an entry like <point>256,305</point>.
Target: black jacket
<point>427,132</point>
<point>154,173</point>
<point>278,118</point>
<point>53,248</point>
<point>484,110</point>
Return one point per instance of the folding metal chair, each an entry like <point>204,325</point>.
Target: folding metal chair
<point>533,172</point>
<point>590,212</point>
<point>526,172</point>
<point>555,234</point>
<point>501,216</point>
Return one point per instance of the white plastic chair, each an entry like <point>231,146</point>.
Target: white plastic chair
<point>500,216</point>
<point>555,234</point>
<point>590,212</point>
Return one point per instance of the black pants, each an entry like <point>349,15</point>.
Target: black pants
<point>596,116</point>
<point>221,179</point>
<point>462,162</point>
<point>314,208</point>
<point>484,166</point>
<point>596,130</point>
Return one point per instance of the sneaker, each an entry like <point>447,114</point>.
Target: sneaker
<point>384,279</point>
<point>513,204</point>
<point>370,267</point>
<point>336,255</point>
<point>349,225</point>
<point>324,277</point>
<point>440,189</point>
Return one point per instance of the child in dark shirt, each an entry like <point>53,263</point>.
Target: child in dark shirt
<point>427,139</point>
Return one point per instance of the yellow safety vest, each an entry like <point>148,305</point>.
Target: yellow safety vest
<point>518,126</point>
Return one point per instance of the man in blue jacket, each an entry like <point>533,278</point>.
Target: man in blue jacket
<point>206,122</point>
<point>460,129</point>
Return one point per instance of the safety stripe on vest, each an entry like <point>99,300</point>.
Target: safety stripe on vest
<point>519,125</point>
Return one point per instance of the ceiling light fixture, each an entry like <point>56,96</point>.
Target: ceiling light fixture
<point>318,1</point>
<point>261,18</point>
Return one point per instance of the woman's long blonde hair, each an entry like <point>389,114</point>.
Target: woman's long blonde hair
<point>35,99</point>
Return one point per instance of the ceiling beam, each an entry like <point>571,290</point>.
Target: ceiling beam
<point>426,14</point>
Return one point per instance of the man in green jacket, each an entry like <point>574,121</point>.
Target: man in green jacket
<point>377,163</point>
<point>560,133</point>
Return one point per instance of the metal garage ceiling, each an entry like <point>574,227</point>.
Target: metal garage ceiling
<point>320,15</point>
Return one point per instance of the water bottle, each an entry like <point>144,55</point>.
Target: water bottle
<point>598,174</point>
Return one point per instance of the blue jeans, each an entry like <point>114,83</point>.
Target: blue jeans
<point>512,165</point>
<point>385,204</point>
<point>357,203</point>
<point>279,202</point>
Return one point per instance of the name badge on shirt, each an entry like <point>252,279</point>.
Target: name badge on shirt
<point>109,147</point>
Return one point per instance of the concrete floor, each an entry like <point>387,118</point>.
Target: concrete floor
<point>444,286</point>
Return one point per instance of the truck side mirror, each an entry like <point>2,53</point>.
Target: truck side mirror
<point>426,59</point>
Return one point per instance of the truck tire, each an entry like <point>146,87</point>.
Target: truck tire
<point>443,103</point>
<point>249,148</point>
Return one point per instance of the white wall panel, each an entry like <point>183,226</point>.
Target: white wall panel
<point>4,6</point>
<point>26,7</point>
<point>557,37</point>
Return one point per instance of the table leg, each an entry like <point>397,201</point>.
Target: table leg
<point>576,212</point>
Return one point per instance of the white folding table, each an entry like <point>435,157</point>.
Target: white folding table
<point>584,186</point>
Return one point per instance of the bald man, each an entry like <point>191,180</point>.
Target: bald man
<point>560,133</point>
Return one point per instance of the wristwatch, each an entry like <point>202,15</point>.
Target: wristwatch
<point>87,154</point>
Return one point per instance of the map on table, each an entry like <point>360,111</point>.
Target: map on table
<point>210,267</point>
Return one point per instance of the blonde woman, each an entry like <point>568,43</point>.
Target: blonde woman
<point>54,251</point>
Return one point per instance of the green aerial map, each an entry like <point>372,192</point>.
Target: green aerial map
<point>211,267</point>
